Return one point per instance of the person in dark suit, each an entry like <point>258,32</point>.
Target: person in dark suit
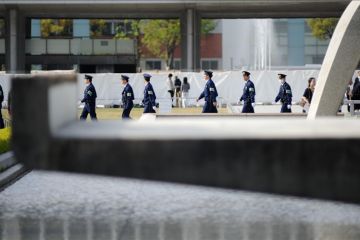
<point>149,96</point>
<point>2,124</point>
<point>89,100</point>
<point>284,95</point>
<point>356,91</point>
<point>127,97</point>
<point>248,95</point>
<point>210,94</point>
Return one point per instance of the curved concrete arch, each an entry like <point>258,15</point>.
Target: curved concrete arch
<point>340,62</point>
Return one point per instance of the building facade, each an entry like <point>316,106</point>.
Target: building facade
<point>89,45</point>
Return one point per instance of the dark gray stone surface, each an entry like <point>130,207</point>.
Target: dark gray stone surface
<point>294,157</point>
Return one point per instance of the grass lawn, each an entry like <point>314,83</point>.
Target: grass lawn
<point>5,136</point>
<point>102,114</point>
<point>115,113</point>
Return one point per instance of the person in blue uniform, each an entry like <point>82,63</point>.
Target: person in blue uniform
<point>284,95</point>
<point>209,94</point>
<point>127,97</point>
<point>2,124</point>
<point>149,96</point>
<point>89,100</point>
<point>248,94</point>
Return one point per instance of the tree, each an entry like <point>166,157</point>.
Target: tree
<point>162,37</point>
<point>131,29</point>
<point>56,27</point>
<point>322,28</point>
<point>207,26</point>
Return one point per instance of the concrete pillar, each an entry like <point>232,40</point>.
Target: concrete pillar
<point>340,62</point>
<point>190,40</point>
<point>15,41</point>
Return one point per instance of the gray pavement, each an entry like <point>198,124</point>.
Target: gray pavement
<point>49,205</point>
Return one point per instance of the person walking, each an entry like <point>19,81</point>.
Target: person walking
<point>149,96</point>
<point>284,95</point>
<point>177,84</point>
<point>248,95</point>
<point>210,94</point>
<point>127,97</point>
<point>89,100</point>
<point>185,88</point>
<point>308,94</point>
<point>171,88</point>
<point>2,124</point>
<point>356,91</point>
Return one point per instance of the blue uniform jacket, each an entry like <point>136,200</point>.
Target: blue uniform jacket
<point>285,94</point>
<point>1,94</point>
<point>210,92</point>
<point>89,94</point>
<point>248,92</point>
<point>127,97</point>
<point>149,96</point>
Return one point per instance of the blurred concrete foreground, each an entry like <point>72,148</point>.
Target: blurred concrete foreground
<point>297,157</point>
<point>312,158</point>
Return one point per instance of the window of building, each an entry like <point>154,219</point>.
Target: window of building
<point>209,64</point>
<point>124,27</point>
<point>153,65</point>
<point>101,28</point>
<point>318,59</point>
<point>281,26</point>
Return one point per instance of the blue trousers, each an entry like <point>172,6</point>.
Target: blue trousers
<point>209,108</point>
<point>126,113</point>
<point>148,108</point>
<point>2,124</point>
<point>284,108</point>
<point>247,108</point>
<point>89,108</point>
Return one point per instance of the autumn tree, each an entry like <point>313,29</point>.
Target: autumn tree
<point>162,37</point>
<point>322,28</point>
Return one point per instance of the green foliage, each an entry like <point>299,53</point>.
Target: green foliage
<point>56,27</point>
<point>207,25</point>
<point>5,136</point>
<point>162,37</point>
<point>322,28</point>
